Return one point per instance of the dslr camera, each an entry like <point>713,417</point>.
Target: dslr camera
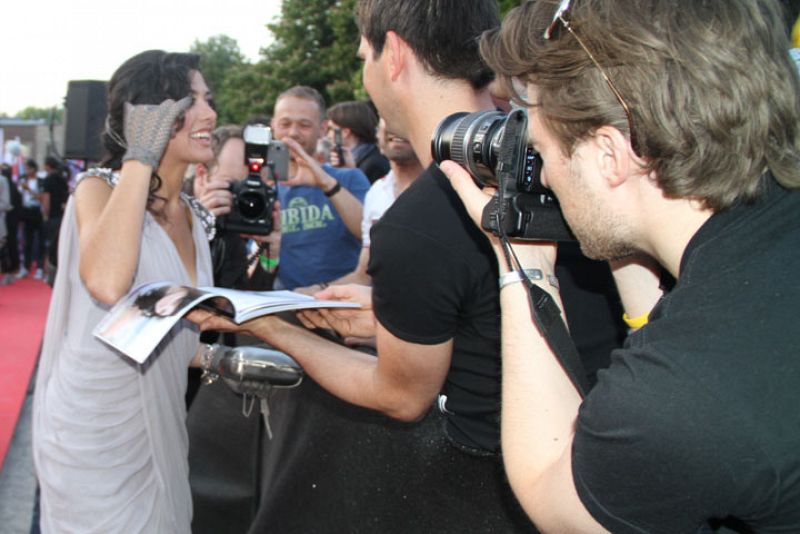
<point>493,147</point>
<point>254,200</point>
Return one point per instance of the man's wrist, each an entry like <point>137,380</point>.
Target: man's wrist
<point>329,192</point>
<point>531,274</point>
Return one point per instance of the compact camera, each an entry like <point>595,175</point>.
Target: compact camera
<point>493,147</point>
<point>254,200</point>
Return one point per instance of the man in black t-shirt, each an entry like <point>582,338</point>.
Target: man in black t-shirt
<point>55,192</point>
<point>659,141</point>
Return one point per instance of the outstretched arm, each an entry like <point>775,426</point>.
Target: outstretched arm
<point>402,382</point>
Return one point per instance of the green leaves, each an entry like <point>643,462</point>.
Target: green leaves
<point>314,43</point>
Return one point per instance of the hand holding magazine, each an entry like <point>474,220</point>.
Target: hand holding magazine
<point>139,321</point>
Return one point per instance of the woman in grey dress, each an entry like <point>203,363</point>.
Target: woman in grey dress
<point>110,443</point>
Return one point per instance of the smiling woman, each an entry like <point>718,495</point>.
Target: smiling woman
<point>110,443</point>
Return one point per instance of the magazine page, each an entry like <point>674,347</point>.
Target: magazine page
<point>138,322</point>
<point>250,304</point>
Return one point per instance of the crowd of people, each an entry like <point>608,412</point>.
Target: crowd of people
<point>642,377</point>
<point>31,207</point>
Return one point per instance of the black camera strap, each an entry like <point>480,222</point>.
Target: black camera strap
<point>548,319</point>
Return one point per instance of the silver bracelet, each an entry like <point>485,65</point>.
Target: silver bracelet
<point>513,277</point>
<point>209,375</point>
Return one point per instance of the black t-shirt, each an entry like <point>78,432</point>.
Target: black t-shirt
<point>698,417</point>
<point>56,185</point>
<point>434,278</point>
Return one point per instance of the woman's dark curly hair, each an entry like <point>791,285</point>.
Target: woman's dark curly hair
<point>147,78</point>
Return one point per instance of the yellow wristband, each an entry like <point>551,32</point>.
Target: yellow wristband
<point>636,322</point>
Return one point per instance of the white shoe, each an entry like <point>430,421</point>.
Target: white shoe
<point>38,274</point>
<point>23,272</point>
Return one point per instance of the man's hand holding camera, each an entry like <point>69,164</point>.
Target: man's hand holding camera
<point>215,195</point>
<point>539,254</point>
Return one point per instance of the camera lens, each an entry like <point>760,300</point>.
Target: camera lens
<point>251,204</point>
<point>472,140</point>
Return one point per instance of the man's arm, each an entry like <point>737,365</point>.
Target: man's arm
<point>540,407</point>
<point>359,274</point>
<point>638,281</point>
<point>44,200</point>
<point>310,173</point>
<point>402,382</point>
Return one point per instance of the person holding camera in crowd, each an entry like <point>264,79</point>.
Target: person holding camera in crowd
<point>659,141</point>
<point>235,264</point>
<point>321,206</point>
<point>109,437</point>
<point>351,128</point>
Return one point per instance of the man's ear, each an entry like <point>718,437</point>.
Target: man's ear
<point>397,50</point>
<point>615,158</point>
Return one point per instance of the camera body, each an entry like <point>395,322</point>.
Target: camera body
<point>493,147</point>
<point>254,200</point>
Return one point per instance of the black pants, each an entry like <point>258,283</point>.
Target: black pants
<point>51,228</point>
<point>10,257</point>
<point>33,248</point>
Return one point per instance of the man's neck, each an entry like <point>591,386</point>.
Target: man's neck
<point>669,225</point>
<point>405,174</point>
<point>440,100</point>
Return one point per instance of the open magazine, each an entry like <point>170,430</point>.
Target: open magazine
<point>139,321</point>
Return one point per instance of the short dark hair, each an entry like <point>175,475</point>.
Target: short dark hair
<point>712,110</point>
<point>30,163</point>
<point>443,34</point>
<point>308,93</point>
<point>358,116</point>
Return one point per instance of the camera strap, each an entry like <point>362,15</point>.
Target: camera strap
<point>547,316</point>
<point>549,321</point>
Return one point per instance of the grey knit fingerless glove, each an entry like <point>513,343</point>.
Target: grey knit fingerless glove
<point>148,129</point>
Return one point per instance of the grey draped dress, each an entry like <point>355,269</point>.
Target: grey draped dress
<point>109,436</point>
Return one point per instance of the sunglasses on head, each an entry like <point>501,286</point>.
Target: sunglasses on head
<point>561,17</point>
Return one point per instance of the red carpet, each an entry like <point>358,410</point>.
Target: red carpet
<point>23,312</point>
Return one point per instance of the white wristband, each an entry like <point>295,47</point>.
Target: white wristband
<point>533,274</point>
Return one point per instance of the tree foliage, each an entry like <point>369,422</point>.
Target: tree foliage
<point>506,6</point>
<point>219,57</point>
<point>314,43</point>
<point>31,113</point>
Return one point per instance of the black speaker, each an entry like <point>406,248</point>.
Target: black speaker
<point>86,116</point>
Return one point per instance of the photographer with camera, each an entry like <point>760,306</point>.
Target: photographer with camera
<point>219,185</point>
<point>657,140</point>
<point>321,206</point>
